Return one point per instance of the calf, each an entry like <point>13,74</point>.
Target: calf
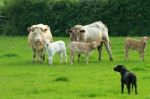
<point>55,47</point>
<point>134,44</point>
<point>128,78</point>
<point>81,47</point>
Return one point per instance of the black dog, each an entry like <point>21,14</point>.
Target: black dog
<point>127,78</point>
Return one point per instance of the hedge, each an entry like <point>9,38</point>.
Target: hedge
<point>122,17</point>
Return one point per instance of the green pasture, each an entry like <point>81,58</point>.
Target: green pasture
<point>22,79</point>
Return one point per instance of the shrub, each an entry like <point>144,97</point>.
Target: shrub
<point>123,17</point>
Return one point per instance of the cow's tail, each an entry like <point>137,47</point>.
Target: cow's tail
<point>110,43</point>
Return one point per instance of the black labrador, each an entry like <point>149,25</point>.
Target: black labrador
<point>128,78</point>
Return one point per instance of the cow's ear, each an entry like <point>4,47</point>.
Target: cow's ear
<point>82,31</point>
<point>44,30</point>
<point>123,67</point>
<point>29,29</point>
<point>69,32</point>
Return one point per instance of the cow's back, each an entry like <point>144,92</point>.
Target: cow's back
<point>92,34</point>
<point>99,27</point>
<point>95,31</point>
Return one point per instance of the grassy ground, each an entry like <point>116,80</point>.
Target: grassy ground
<point>21,79</point>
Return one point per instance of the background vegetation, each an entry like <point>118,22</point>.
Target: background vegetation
<point>123,17</point>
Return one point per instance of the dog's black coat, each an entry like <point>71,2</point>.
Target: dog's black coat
<point>127,78</point>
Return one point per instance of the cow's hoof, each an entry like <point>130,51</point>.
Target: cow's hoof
<point>33,61</point>
<point>111,59</point>
<point>99,59</point>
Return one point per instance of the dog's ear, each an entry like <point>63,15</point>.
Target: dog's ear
<point>121,66</point>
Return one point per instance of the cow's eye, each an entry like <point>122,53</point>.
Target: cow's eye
<point>34,33</point>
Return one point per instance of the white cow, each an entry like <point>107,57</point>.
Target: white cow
<point>90,33</point>
<point>37,35</point>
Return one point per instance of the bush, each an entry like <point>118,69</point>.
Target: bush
<point>123,17</point>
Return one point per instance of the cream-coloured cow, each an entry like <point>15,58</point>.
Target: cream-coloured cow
<point>90,33</point>
<point>36,39</point>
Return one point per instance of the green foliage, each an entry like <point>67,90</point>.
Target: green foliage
<point>123,17</point>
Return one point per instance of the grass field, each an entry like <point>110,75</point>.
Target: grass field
<point>21,79</point>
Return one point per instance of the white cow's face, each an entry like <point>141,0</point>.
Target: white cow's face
<point>37,34</point>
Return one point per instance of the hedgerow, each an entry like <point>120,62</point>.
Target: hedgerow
<point>122,17</point>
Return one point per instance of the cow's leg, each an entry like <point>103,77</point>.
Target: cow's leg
<point>65,55</point>
<point>141,55</point>
<point>43,55</point>
<point>40,56</point>
<point>61,56</point>
<point>50,58</point>
<point>79,55</point>
<point>37,56</point>
<point>126,53</point>
<point>99,48</point>
<point>87,58</point>
<point>34,55</point>
<point>71,57</point>
<point>108,48</point>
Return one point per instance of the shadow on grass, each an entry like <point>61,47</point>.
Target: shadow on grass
<point>9,55</point>
<point>88,95</point>
<point>147,78</point>
<point>138,69</point>
<point>61,79</point>
<point>40,91</point>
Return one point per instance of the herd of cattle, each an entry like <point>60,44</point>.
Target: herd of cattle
<point>84,39</point>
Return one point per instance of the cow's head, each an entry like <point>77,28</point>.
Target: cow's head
<point>37,33</point>
<point>76,33</point>
<point>145,38</point>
